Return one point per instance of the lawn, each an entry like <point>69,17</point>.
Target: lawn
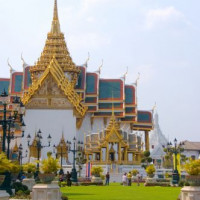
<point>118,192</point>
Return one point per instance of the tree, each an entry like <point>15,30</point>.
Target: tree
<point>146,160</point>
<point>80,161</point>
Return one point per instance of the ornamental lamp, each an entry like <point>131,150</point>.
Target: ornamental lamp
<point>23,126</point>
<point>49,139</point>
<point>28,138</point>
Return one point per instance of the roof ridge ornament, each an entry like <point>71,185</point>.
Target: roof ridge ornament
<point>99,70</point>
<point>136,82</point>
<point>86,62</point>
<point>11,68</point>
<point>23,61</point>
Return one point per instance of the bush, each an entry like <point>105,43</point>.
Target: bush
<point>18,186</point>
<point>193,167</point>
<point>134,172</point>
<point>150,169</point>
<point>146,154</point>
<point>5,164</point>
<point>29,168</point>
<point>97,171</point>
<point>50,165</point>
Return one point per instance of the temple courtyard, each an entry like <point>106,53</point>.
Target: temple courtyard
<point>115,191</point>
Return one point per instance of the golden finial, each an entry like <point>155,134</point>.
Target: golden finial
<point>15,148</point>
<point>55,13</point>
<point>62,138</point>
<point>55,27</point>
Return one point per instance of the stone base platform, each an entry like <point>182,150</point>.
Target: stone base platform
<point>190,193</point>
<point>46,192</point>
<point>29,182</point>
<point>4,195</point>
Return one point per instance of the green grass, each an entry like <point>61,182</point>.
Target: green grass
<point>118,192</point>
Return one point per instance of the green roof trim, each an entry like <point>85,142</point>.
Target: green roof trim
<point>110,89</point>
<point>18,83</point>
<point>4,84</point>
<point>129,95</point>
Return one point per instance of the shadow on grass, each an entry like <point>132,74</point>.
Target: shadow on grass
<point>77,194</point>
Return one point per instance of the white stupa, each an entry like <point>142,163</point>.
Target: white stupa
<point>157,141</point>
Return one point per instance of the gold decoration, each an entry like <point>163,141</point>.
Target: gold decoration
<point>33,149</point>
<point>62,82</point>
<point>55,46</point>
<point>62,148</point>
<point>79,122</point>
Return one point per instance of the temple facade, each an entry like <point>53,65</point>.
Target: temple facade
<point>66,100</point>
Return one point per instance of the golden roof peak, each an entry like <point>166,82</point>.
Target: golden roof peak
<point>15,148</point>
<point>55,14</point>
<point>55,27</point>
<point>55,47</point>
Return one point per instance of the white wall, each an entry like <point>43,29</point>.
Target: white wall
<point>52,122</point>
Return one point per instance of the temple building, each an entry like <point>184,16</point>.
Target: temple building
<point>157,142</point>
<point>66,100</point>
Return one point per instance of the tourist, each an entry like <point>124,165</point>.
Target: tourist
<point>68,177</point>
<point>124,180</point>
<point>129,177</point>
<point>22,177</point>
<point>138,179</point>
<point>107,178</point>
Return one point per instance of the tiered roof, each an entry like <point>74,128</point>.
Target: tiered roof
<point>88,88</point>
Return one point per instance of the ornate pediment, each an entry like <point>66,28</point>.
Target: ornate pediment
<point>49,96</point>
<point>54,90</point>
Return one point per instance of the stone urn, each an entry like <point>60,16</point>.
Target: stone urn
<point>46,178</point>
<point>191,192</point>
<point>29,182</point>
<point>96,179</point>
<point>151,175</point>
<point>193,180</point>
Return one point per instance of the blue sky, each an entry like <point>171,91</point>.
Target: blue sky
<point>158,39</point>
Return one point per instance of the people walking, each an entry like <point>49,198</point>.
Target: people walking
<point>124,179</point>
<point>107,178</point>
<point>68,177</point>
<point>138,179</point>
<point>129,177</point>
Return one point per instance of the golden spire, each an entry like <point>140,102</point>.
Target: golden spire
<point>55,46</point>
<point>55,27</point>
<point>55,14</point>
<point>15,148</point>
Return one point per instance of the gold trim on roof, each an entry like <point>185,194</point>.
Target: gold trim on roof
<point>63,83</point>
<point>55,46</point>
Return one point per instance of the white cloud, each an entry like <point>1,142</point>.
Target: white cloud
<point>156,17</point>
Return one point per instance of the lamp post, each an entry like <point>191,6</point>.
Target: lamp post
<point>39,145</point>
<point>176,149</point>
<point>21,154</point>
<point>74,150</point>
<point>8,124</point>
